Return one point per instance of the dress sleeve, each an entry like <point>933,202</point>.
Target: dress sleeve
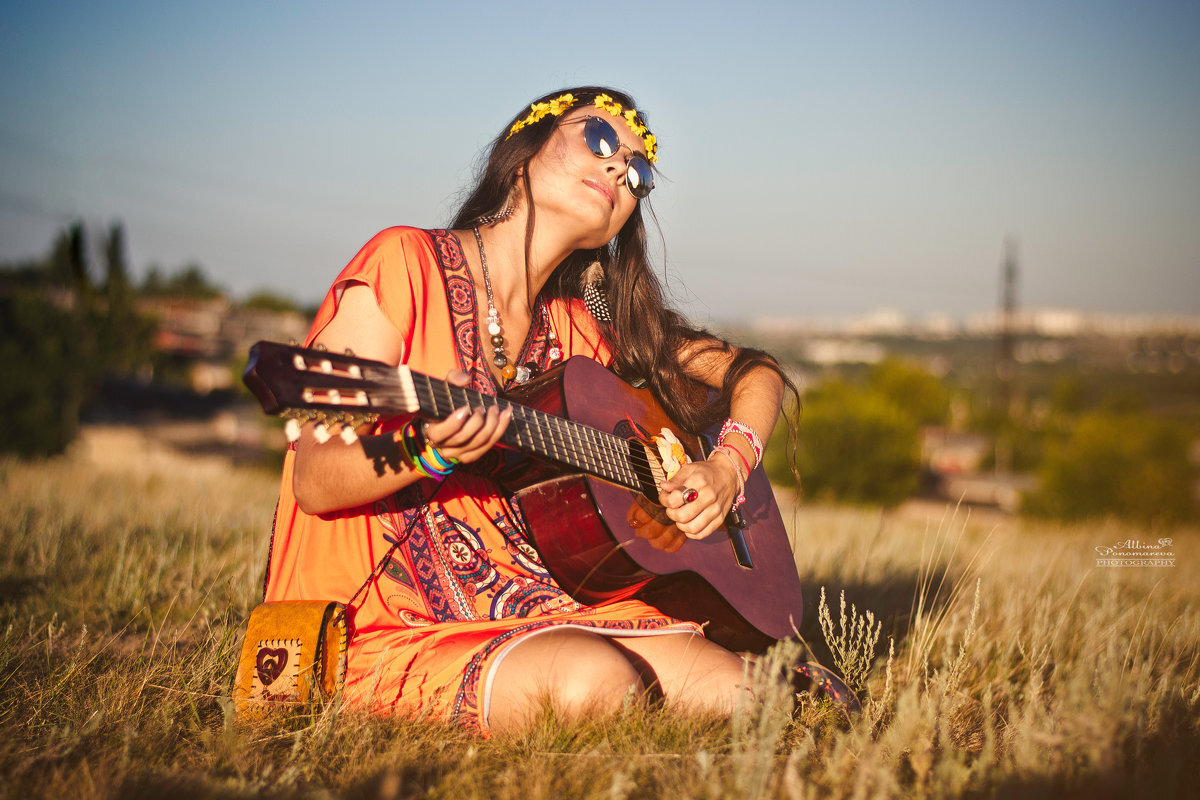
<point>395,264</point>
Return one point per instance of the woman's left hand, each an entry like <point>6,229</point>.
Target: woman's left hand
<point>715,484</point>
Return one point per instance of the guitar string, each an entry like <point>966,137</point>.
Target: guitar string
<point>566,440</point>
<point>550,428</point>
<point>562,439</point>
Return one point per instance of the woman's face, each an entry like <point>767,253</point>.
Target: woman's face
<point>575,188</point>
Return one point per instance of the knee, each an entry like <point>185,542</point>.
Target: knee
<point>576,672</point>
<point>600,681</point>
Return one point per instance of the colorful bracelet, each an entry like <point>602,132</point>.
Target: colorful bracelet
<point>741,498</point>
<point>422,455</point>
<point>745,430</point>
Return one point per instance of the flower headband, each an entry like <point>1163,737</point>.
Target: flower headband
<point>561,104</point>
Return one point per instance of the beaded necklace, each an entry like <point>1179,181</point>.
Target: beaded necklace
<point>495,330</point>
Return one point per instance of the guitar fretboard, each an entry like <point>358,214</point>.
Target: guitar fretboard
<point>536,432</point>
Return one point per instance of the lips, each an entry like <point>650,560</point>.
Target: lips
<point>604,189</point>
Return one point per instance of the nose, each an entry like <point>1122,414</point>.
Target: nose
<point>615,163</point>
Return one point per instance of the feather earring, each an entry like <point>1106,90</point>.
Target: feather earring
<point>499,216</point>
<point>593,291</point>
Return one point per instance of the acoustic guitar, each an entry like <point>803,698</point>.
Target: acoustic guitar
<point>581,463</point>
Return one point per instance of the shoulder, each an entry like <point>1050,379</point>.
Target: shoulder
<point>391,253</point>
<point>399,265</point>
<point>398,241</point>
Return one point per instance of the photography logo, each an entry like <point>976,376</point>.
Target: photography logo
<point>1136,553</point>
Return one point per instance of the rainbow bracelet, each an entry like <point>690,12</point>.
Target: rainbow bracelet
<point>423,457</point>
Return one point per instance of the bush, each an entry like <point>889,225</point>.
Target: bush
<point>857,446</point>
<point>920,394</point>
<point>1124,465</point>
<point>47,365</point>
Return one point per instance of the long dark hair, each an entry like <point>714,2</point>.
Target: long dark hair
<point>646,337</point>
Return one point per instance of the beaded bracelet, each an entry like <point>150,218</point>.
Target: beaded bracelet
<point>741,498</point>
<point>745,430</point>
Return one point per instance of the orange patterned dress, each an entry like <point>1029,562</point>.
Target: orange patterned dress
<point>465,585</point>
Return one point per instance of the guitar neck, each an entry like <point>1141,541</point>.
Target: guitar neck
<point>531,431</point>
<point>333,388</point>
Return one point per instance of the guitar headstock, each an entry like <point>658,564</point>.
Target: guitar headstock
<point>313,385</point>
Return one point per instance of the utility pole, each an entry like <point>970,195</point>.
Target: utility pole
<point>1006,362</point>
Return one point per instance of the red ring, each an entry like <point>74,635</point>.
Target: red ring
<point>690,494</point>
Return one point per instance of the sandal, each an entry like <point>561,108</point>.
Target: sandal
<point>822,681</point>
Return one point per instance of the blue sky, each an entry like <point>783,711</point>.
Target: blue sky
<point>816,158</point>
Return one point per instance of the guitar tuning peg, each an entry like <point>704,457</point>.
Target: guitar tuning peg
<point>348,435</point>
<point>293,343</point>
<point>321,433</point>
<point>320,347</point>
<point>291,429</point>
<point>349,352</point>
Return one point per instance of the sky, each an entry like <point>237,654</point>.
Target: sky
<point>816,158</point>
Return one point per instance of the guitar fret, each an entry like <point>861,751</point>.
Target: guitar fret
<point>429,391</point>
<point>522,416</point>
<point>559,443</point>
<point>597,444</point>
<point>595,440</point>
<point>563,440</point>
<point>588,461</point>
<point>535,434</point>
<point>559,439</point>
<point>515,425</point>
<point>606,443</point>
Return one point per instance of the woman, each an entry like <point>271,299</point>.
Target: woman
<point>464,622</point>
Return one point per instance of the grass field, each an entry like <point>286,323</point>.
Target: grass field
<point>1019,668</point>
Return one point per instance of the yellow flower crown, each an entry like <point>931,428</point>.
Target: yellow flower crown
<point>563,103</point>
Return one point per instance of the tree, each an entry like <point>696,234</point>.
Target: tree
<point>265,300</point>
<point>68,262</point>
<point>857,446</point>
<point>45,370</point>
<point>125,335</point>
<point>60,334</point>
<point>1120,464</point>
<point>913,389</point>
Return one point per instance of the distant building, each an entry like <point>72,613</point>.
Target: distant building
<point>210,335</point>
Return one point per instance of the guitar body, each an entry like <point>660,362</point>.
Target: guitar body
<point>581,526</point>
<point>587,490</point>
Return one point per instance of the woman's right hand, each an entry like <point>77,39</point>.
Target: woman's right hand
<point>466,435</point>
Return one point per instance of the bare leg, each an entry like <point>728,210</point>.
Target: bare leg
<point>692,673</point>
<point>577,671</point>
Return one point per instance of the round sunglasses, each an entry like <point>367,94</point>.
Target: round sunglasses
<point>602,140</point>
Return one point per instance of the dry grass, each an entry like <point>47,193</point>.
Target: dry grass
<point>1020,669</point>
